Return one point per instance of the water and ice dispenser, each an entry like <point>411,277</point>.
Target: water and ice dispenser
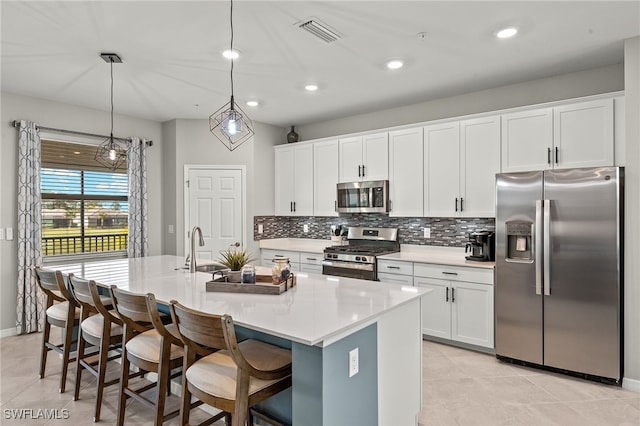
<point>519,241</point>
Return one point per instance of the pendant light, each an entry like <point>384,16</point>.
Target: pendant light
<point>111,153</point>
<point>230,124</point>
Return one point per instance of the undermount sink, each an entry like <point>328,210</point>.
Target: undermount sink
<point>211,268</point>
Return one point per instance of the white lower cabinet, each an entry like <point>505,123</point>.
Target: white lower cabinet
<point>311,263</point>
<point>460,305</point>
<point>267,255</point>
<point>395,272</point>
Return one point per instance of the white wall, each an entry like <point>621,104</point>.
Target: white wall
<point>62,116</point>
<point>632,213</point>
<point>566,86</point>
<point>194,144</point>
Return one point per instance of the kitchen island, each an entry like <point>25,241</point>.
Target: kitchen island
<point>322,320</point>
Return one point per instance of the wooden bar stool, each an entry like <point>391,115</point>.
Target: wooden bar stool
<point>149,345</point>
<point>223,373</point>
<point>100,327</point>
<point>62,311</point>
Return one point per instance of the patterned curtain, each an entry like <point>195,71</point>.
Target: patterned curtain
<point>30,308</point>
<point>138,219</point>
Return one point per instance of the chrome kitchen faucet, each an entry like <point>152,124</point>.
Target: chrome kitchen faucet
<point>192,258</point>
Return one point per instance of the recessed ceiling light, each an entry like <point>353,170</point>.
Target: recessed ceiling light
<point>507,32</point>
<point>253,103</point>
<point>231,54</point>
<point>394,64</point>
<point>311,87</point>
<point>76,152</point>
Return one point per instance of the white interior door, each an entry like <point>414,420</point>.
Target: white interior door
<point>215,203</point>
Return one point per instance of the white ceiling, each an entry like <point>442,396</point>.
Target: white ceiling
<point>172,64</point>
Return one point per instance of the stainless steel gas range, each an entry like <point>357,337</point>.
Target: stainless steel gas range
<point>358,259</point>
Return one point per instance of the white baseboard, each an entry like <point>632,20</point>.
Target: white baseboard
<point>8,332</point>
<point>631,384</point>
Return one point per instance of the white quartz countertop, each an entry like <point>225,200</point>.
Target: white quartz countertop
<point>319,310</point>
<point>295,244</point>
<point>451,256</point>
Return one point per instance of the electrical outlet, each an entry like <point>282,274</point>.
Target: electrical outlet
<point>171,229</point>
<point>260,228</point>
<point>305,227</point>
<point>354,362</point>
<point>9,234</point>
<point>427,232</point>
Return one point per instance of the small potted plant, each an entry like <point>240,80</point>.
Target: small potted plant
<point>234,259</point>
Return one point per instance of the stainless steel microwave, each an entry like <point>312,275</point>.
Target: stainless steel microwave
<point>363,197</point>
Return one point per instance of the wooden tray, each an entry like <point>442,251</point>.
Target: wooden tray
<point>220,285</point>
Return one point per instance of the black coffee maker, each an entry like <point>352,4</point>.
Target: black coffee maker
<point>481,246</point>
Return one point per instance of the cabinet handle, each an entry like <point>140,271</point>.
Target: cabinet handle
<point>294,206</point>
<point>548,155</point>
<point>335,205</point>
<point>393,267</point>
<point>456,204</point>
<point>461,204</point>
<point>449,273</point>
<point>363,170</point>
<point>446,297</point>
<point>453,294</point>
<point>311,258</point>
<point>291,206</point>
<point>556,155</point>
<point>359,171</point>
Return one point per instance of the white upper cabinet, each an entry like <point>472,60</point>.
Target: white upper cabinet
<point>364,158</point>
<point>376,156</point>
<point>479,163</point>
<point>294,180</point>
<point>583,134</point>
<point>461,159</point>
<point>573,135</point>
<point>325,178</point>
<point>442,169</point>
<point>350,159</point>
<point>527,140</point>
<point>405,172</point>
<point>283,181</point>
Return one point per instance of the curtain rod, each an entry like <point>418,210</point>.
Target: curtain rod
<point>16,123</point>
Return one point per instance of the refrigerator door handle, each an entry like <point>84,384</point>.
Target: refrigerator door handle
<point>547,247</point>
<point>538,246</point>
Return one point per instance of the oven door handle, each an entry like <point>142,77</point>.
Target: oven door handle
<point>348,265</point>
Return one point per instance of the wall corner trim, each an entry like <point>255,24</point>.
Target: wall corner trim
<point>8,332</point>
<point>631,384</point>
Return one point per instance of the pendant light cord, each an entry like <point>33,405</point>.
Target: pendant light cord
<point>111,64</point>
<point>231,25</point>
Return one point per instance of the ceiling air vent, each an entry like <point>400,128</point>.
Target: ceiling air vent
<point>319,29</point>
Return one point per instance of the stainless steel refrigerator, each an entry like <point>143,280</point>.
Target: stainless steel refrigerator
<point>559,265</point>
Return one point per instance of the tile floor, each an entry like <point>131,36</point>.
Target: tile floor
<point>460,387</point>
<point>463,387</point>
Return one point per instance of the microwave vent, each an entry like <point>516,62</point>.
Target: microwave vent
<point>319,30</point>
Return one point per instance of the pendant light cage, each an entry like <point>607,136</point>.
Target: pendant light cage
<point>230,124</point>
<point>111,153</point>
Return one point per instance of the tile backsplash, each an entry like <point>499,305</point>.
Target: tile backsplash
<point>450,231</point>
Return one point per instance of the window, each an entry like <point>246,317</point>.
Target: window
<point>84,205</point>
